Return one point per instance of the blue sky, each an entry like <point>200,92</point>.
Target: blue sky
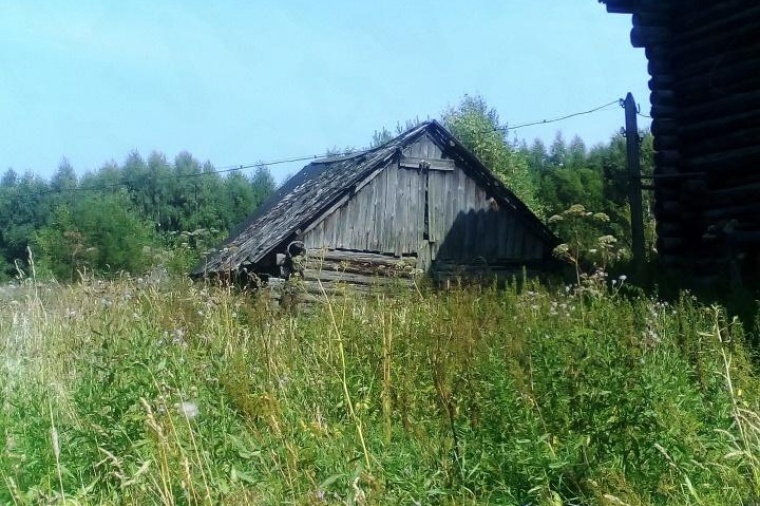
<point>240,82</point>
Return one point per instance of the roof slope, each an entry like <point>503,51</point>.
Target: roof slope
<point>321,184</point>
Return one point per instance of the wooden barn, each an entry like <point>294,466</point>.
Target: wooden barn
<point>421,203</point>
<point>704,62</point>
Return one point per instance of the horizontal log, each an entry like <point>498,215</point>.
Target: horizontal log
<point>642,17</point>
<point>352,278</point>
<point>665,209</point>
<point>715,18</point>
<point>667,169</point>
<point>700,51</point>
<point>620,6</point>
<point>667,157</point>
<point>362,258</point>
<point>662,97</point>
<point>724,105</point>
<point>742,193</point>
<point>744,237</point>
<point>730,161</point>
<point>409,162</point>
<point>367,269</point>
<point>642,36</point>
<point>669,229</point>
<point>658,67</point>
<point>717,80</point>
<point>747,84</point>
<point>729,138</point>
<point>661,82</point>
<point>669,244</point>
<point>664,126</point>
<point>665,142</point>
<point>710,61</point>
<point>658,53</point>
<point>442,266</point>
<point>728,212</point>
<point>663,112</point>
<point>696,129</point>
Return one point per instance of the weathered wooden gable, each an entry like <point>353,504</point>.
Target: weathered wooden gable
<point>419,203</point>
<point>425,203</point>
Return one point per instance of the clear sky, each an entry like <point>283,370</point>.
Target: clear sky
<point>239,82</point>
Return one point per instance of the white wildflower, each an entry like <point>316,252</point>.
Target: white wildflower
<point>189,409</point>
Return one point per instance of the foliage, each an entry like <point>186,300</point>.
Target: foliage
<point>595,178</point>
<point>101,234</point>
<point>477,126</point>
<point>98,221</point>
<point>132,392</point>
<point>589,253</point>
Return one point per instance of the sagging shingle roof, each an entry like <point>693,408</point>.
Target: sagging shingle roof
<point>322,183</point>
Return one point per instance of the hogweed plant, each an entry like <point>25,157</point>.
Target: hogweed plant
<point>587,250</point>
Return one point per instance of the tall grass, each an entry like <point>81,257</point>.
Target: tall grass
<point>135,393</point>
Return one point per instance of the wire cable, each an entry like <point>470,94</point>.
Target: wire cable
<point>555,120</point>
<point>235,168</point>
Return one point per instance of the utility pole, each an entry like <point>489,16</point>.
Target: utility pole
<point>634,185</point>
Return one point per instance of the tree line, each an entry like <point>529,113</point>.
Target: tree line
<point>141,213</point>
<point>124,217</point>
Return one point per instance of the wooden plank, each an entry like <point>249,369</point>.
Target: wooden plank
<point>511,236</point>
<point>426,163</point>
<point>448,234</point>
<point>410,220</point>
<point>403,224</point>
<point>434,207</point>
<point>374,216</point>
<point>337,255</point>
<point>344,226</point>
<point>389,225</point>
<point>386,208</point>
<point>417,220</point>
<point>353,278</point>
<point>398,236</point>
<point>475,236</point>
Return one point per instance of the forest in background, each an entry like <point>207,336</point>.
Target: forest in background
<point>142,213</point>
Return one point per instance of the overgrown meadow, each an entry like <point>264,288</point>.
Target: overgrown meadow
<point>139,392</point>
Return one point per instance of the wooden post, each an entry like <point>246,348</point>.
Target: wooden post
<point>634,186</point>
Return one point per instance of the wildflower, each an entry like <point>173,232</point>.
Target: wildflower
<point>189,409</point>
<point>601,217</point>
<point>178,338</point>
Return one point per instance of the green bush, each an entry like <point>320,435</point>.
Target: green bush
<point>102,235</point>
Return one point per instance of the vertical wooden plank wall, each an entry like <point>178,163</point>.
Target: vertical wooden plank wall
<point>387,216</point>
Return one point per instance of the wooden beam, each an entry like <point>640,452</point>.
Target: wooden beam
<point>409,162</point>
<point>634,185</point>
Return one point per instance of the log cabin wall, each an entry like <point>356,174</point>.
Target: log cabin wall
<point>704,62</point>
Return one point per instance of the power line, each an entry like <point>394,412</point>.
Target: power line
<point>561,118</point>
<point>235,168</point>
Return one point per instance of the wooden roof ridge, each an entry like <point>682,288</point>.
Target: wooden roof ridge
<point>321,184</point>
